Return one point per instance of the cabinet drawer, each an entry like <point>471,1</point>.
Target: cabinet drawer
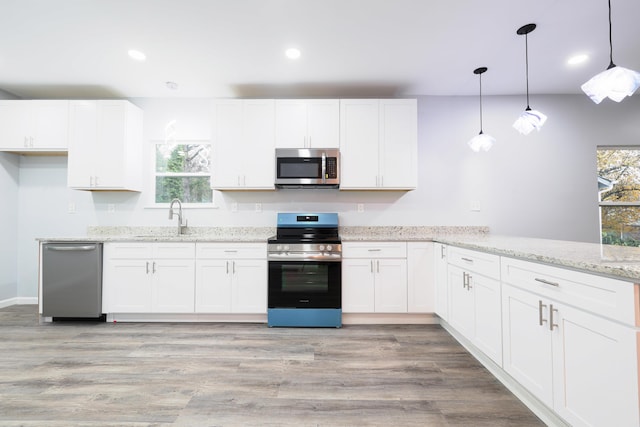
<point>611,298</point>
<point>478,262</point>
<point>374,249</point>
<point>145,250</point>
<point>231,250</point>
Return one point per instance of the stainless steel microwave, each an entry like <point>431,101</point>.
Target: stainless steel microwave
<point>307,168</point>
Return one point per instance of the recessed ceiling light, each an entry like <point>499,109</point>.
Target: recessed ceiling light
<point>172,85</point>
<point>577,59</point>
<point>292,53</point>
<point>137,55</point>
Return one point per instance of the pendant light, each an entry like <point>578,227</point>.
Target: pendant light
<point>615,82</point>
<point>482,141</point>
<point>529,119</point>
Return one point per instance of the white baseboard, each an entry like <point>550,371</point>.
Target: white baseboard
<point>18,301</point>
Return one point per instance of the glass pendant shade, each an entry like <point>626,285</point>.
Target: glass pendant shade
<point>614,83</point>
<point>481,142</point>
<point>529,120</point>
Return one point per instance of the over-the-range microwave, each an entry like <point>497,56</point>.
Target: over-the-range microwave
<point>307,168</point>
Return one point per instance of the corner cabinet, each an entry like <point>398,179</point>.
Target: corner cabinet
<point>440,268</point>
<point>32,126</point>
<point>307,123</point>
<point>105,146</point>
<point>243,144</point>
<point>378,144</point>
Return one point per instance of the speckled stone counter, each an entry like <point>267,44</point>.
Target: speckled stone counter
<point>608,260</point>
<point>407,233</point>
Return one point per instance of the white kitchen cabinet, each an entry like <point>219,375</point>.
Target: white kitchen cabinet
<point>105,146</point>
<point>243,144</point>
<point>149,277</point>
<point>374,277</point>
<point>32,126</point>
<point>420,277</point>
<point>441,279</point>
<point>378,144</point>
<point>475,299</point>
<point>307,123</point>
<point>581,364</point>
<point>231,278</point>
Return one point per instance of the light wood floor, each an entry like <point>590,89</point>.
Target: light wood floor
<point>126,374</point>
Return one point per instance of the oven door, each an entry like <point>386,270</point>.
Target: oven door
<point>305,284</point>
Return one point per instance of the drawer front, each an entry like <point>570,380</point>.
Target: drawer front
<point>128,250</point>
<point>475,261</point>
<point>610,298</point>
<point>173,250</point>
<point>231,250</point>
<point>374,249</point>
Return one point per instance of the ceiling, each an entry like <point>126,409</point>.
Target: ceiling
<point>350,48</point>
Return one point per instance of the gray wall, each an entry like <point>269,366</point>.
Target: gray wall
<point>542,185</point>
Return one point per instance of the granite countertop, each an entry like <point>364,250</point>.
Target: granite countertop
<point>620,262</point>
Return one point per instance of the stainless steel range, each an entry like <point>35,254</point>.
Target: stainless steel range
<point>305,271</point>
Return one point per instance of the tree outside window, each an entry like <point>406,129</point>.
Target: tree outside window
<point>619,195</point>
<point>183,170</point>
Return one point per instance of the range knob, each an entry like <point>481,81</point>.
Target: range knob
<point>321,248</point>
<point>329,247</point>
<point>279,248</point>
<point>286,248</point>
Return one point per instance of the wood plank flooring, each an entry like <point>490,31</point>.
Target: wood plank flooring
<point>215,374</point>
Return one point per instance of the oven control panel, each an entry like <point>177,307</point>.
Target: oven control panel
<point>304,251</point>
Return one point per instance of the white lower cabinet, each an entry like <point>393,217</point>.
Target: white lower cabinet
<point>148,277</point>
<point>420,277</point>
<point>440,273</point>
<point>580,364</point>
<point>374,277</point>
<point>231,278</point>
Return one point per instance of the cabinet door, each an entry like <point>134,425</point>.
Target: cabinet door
<point>358,286</point>
<point>359,131</point>
<point>127,285</point>
<point>420,277</point>
<point>291,123</point>
<point>227,144</point>
<point>398,143</point>
<point>527,345</point>
<point>488,316</point>
<point>109,154</point>
<point>50,121</point>
<point>14,125</point>
<point>323,123</point>
<point>390,285</point>
<point>173,286</point>
<point>595,370</point>
<point>213,286</point>
<point>461,303</point>
<point>258,148</point>
<point>249,291</point>
<point>441,277</point>
<point>83,141</point>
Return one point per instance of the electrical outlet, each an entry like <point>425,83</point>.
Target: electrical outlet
<point>111,208</point>
<point>475,205</point>
<point>234,207</point>
<point>258,207</point>
<point>360,207</point>
<point>72,208</point>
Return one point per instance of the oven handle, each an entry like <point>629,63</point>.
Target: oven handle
<point>291,256</point>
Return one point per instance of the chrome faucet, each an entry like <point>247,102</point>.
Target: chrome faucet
<point>181,226</point>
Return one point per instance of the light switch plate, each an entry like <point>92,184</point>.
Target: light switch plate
<point>360,207</point>
<point>258,207</point>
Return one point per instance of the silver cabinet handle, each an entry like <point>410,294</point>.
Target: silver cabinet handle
<point>467,260</point>
<point>469,278</point>
<point>374,250</point>
<point>378,266</point>
<point>442,254</point>
<point>465,280</point>
<point>154,267</point>
<point>227,263</point>
<point>233,267</point>
<point>372,266</point>
<point>147,267</point>
<point>541,320</point>
<point>551,310</point>
<point>231,251</point>
<point>72,248</point>
<point>546,282</point>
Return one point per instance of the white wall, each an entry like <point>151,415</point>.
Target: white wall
<point>541,185</point>
<point>8,231</point>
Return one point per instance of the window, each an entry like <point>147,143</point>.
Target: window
<point>619,195</point>
<point>182,170</point>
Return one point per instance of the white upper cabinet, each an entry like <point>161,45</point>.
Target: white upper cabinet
<point>105,146</point>
<point>34,126</point>
<point>243,144</point>
<point>378,144</point>
<point>307,123</point>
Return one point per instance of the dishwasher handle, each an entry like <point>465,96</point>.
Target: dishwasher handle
<point>71,248</point>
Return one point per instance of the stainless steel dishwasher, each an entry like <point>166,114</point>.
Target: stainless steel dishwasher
<point>72,279</point>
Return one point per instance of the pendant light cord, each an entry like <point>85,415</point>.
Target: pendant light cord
<point>526,61</point>
<point>480,75</point>
<point>611,64</point>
